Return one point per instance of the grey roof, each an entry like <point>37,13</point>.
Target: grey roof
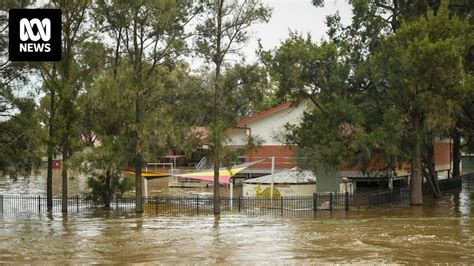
<point>293,176</point>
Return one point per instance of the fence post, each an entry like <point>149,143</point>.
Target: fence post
<point>346,198</point>
<point>116,202</point>
<point>39,203</point>
<point>315,201</point>
<point>390,197</point>
<point>1,203</point>
<point>197,204</point>
<point>281,204</point>
<point>330,201</point>
<point>240,203</point>
<point>77,203</point>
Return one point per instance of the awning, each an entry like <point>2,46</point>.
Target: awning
<point>224,173</point>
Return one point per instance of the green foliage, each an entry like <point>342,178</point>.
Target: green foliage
<point>367,86</point>
<point>225,27</point>
<point>103,164</point>
<point>19,143</point>
<point>420,67</point>
<point>219,37</point>
<point>107,185</point>
<point>305,70</point>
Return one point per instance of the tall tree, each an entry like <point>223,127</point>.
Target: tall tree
<point>224,30</point>
<point>394,98</point>
<point>64,81</point>
<point>417,68</point>
<point>372,19</point>
<point>146,36</point>
<point>164,126</point>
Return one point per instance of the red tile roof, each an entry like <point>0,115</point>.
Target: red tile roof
<point>264,114</point>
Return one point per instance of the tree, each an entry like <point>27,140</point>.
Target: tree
<point>372,19</point>
<point>376,100</point>
<point>12,74</point>
<point>343,123</point>
<point>223,30</point>
<point>146,36</point>
<point>417,68</point>
<point>20,146</point>
<point>63,82</point>
<point>18,121</point>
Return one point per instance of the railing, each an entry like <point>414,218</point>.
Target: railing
<point>280,162</point>
<point>401,195</point>
<point>196,205</point>
<point>174,205</point>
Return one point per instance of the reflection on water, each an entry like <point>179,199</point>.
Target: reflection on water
<point>440,231</point>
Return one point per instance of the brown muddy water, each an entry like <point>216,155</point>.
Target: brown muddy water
<point>442,231</point>
<point>77,184</point>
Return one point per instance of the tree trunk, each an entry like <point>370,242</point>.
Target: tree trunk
<point>429,171</point>
<point>51,146</point>
<point>64,178</point>
<point>456,153</point>
<point>217,199</point>
<point>138,162</point>
<point>138,184</point>
<point>217,110</point>
<point>49,183</point>
<point>49,176</point>
<point>108,190</point>
<point>416,193</point>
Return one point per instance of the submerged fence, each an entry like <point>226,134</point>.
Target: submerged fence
<point>401,195</point>
<point>195,205</point>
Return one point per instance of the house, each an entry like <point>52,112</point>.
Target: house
<point>269,127</point>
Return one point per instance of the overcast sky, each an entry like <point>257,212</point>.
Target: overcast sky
<point>299,15</point>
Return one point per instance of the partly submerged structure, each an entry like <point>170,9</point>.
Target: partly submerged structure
<point>286,183</point>
<point>269,126</point>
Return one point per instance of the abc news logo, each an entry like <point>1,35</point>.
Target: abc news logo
<point>34,34</point>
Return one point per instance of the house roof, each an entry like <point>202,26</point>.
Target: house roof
<point>263,114</point>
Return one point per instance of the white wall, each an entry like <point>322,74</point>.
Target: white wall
<point>270,127</point>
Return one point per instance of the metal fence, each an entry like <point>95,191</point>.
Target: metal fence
<point>401,195</point>
<point>196,205</point>
<point>175,205</point>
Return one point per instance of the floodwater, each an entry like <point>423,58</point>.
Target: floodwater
<point>441,231</point>
<point>77,184</point>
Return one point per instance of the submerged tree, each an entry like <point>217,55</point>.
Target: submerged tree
<point>146,37</point>
<point>373,19</point>
<point>225,28</point>
<point>63,82</point>
<point>417,69</point>
<point>380,97</point>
